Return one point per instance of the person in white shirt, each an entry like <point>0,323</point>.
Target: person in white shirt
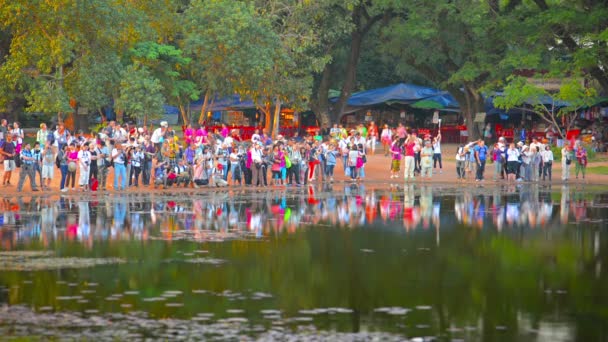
<point>257,178</point>
<point>547,156</point>
<point>255,137</point>
<point>84,161</point>
<point>437,152</point>
<point>386,137</point>
<point>460,162</point>
<point>512,162</point>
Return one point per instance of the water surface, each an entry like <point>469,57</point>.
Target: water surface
<point>342,262</point>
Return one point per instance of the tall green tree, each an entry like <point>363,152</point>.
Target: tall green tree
<point>231,47</point>
<point>168,65</point>
<point>562,37</point>
<point>141,94</point>
<point>453,45</point>
<point>550,107</point>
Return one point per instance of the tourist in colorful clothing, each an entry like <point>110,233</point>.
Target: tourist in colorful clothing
<point>396,157</point>
<point>27,168</point>
<point>581,161</point>
<point>409,145</point>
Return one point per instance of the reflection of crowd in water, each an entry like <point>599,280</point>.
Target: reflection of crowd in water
<point>529,206</point>
<point>242,214</point>
<point>213,216</point>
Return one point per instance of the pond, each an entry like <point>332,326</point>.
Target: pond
<point>344,262</point>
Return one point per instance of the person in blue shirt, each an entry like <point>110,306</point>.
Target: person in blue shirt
<point>481,153</point>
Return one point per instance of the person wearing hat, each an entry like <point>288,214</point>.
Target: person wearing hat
<point>27,168</point>
<point>158,137</point>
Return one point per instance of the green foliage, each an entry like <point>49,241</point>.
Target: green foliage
<point>572,95</point>
<point>48,97</point>
<point>231,46</point>
<point>140,93</point>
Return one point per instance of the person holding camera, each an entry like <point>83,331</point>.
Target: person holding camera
<point>136,161</point>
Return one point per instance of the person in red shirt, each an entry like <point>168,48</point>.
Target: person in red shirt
<point>409,145</point>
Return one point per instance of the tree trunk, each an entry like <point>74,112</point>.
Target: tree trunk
<point>471,103</point>
<point>185,118</point>
<point>277,118</point>
<point>204,108</point>
<point>350,76</point>
<point>321,105</point>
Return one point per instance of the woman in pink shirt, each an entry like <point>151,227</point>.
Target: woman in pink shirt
<point>189,134</point>
<point>225,131</point>
<point>72,160</point>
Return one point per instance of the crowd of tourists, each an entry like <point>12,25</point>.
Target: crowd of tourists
<point>198,157</point>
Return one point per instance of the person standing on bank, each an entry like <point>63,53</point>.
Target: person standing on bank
<point>48,165</point>
<point>62,156</point>
<point>37,153</point>
<point>581,161</point>
<point>481,152</point>
<point>120,170</point>
<point>84,162</point>
<point>566,161</point>
<point>461,158</point>
<point>8,151</point>
<point>372,137</point>
<point>437,152</point>
<point>409,145</point>
<point>28,160</point>
<point>547,156</point>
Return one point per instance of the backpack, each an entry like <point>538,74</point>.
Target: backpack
<point>58,161</point>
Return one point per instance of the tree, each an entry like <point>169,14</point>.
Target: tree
<point>559,109</point>
<point>168,65</point>
<point>453,45</point>
<point>231,47</point>
<point>140,94</point>
<point>563,37</point>
<point>62,47</point>
<point>364,16</point>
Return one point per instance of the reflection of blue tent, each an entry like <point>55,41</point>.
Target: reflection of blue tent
<point>220,104</point>
<point>398,93</point>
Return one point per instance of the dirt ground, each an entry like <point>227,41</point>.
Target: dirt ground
<point>376,172</point>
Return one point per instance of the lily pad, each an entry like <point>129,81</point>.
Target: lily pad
<point>32,261</point>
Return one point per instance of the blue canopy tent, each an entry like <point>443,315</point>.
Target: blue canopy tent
<point>444,101</point>
<point>398,93</point>
<point>402,93</point>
